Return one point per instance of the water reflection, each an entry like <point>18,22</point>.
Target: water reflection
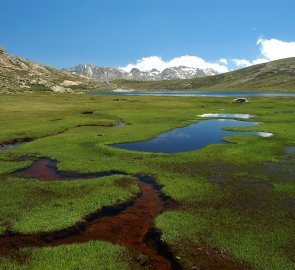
<point>192,137</point>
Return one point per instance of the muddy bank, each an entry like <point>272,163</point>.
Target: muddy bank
<point>129,224</point>
<point>200,257</point>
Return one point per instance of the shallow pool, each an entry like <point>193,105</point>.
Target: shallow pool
<point>192,137</point>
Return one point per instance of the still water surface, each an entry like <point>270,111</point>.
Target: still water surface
<point>192,137</point>
<point>196,93</point>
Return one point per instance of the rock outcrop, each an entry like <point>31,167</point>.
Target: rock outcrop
<point>106,74</point>
<point>22,75</point>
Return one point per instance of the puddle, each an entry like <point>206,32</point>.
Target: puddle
<point>192,137</point>
<point>14,143</point>
<point>227,115</point>
<point>120,125</point>
<point>290,150</point>
<point>129,224</point>
<point>10,146</point>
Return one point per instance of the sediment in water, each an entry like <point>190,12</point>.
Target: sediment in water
<point>129,224</point>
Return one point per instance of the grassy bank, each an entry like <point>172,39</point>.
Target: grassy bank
<point>92,255</point>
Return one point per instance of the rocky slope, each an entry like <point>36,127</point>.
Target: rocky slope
<point>21,75</point>
<point>276,75</point>
<point>105,74</point>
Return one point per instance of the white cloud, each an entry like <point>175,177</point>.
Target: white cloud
<point>273,49</point>
<point>270,49</point>
<point>259,61</point>
<point>241,62</point>
<point>246,63</point>
<point>223,61</point>
<point>148,63</point>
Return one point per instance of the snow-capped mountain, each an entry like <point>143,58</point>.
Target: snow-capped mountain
<point>109,74</point>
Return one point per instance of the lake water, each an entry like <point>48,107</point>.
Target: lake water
<point>196,93</point>
<point>192,137</point>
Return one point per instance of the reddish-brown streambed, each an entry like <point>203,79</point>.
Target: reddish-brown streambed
<point>129,224</point>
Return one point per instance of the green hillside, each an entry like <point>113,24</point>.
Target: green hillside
<point>276,75</point>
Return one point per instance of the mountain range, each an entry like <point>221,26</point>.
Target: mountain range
<point>278,75</point>
<point>22,75</point>
<point>105,74</point>
<point>18,75</point>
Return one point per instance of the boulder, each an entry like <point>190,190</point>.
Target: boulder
<point>240,100</point>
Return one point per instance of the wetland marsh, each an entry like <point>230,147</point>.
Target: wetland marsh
<point>225,207</point>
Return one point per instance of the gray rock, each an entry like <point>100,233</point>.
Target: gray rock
<point>106,74</point>
<point>240,100</point>
<point>19,75</point>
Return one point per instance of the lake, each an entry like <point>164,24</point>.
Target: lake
<point>196,94</point>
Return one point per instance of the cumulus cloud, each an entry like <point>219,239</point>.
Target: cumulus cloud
<point>241,62</point>
<point>148,63</point>
<point>274,49</point>
<point>270,49</point>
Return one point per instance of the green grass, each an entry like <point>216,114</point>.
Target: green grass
<point>245,239</point>
<point>217,209</point>
<point>92,255</point>
<point>30,206</point>
<point>9,166</point>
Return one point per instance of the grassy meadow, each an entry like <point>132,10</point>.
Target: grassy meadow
<point>235,199</point>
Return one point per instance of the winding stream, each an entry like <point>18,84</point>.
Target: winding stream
<point>129,224</point>
<point>5,147</point>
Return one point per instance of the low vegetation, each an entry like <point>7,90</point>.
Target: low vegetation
<point>92,255</point>
<point>235,200</point>
<point>31,206</point>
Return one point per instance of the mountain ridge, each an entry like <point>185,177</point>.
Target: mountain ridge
<point>105,74</point>
<point>21,75</point>
<point>278,75</point>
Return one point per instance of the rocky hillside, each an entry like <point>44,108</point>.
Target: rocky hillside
<point>21,75</point>
<point>106,74</point>
<point>276,75</point>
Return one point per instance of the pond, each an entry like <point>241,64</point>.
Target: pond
<point>10,146</point>
<point>192,137</point>
<point>196,93</point>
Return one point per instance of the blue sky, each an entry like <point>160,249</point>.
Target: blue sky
<point>64,33</point>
